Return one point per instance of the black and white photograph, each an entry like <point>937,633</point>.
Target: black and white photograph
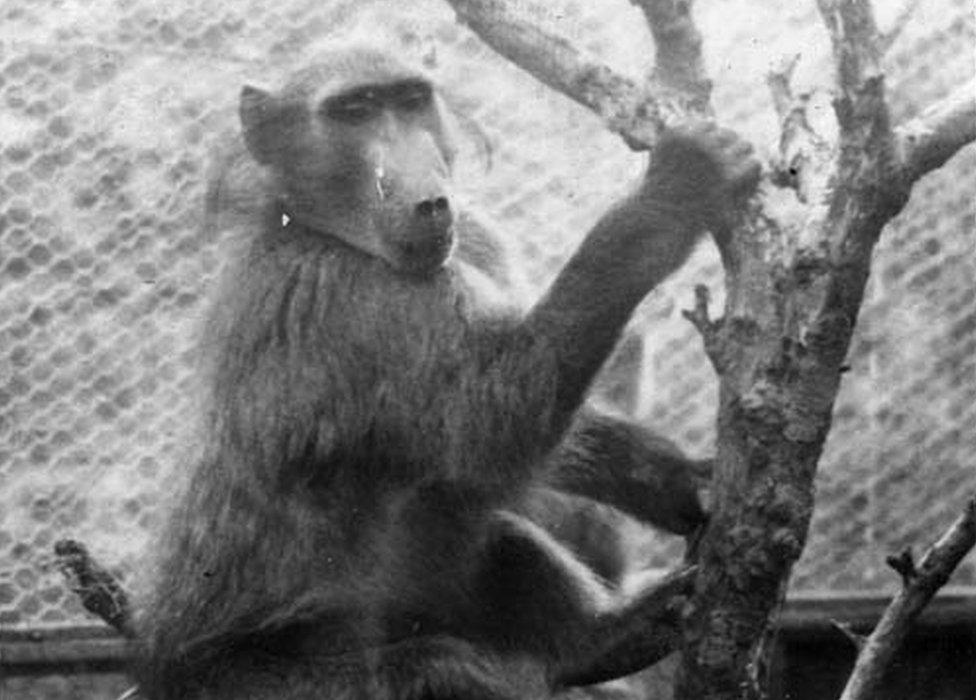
<point>487,350</point>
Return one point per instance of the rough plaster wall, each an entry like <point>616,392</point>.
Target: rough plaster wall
<point>107,113</point>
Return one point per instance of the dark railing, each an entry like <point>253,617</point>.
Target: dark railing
<point>812,657</point>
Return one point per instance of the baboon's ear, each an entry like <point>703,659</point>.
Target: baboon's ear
<point>259,112</point>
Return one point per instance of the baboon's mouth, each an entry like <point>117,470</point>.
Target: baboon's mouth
<point>427,253</point>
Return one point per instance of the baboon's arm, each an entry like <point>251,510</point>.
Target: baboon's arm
<point>638,243</point>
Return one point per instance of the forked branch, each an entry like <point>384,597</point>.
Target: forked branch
<point>636,113</point>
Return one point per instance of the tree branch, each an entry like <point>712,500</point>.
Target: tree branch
<point>678,62</point>
<point>925,143</point>
<point>865,193</point>
<point>638,115</point>
<point>803,153</point>
<point>917,589</point>
<point>99,590</point>
<point>779,80</point>
<point>709,329</point>
<point>855,39</point>
<point>848,631</point>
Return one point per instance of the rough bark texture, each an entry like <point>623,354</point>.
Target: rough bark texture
<point>795,278</point>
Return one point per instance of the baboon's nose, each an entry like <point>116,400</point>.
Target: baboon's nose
<point>435,208</point>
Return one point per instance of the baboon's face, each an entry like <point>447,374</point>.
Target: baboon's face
<point>361,153</point>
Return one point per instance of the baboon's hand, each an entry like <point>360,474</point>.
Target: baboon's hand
<point>703,170</point>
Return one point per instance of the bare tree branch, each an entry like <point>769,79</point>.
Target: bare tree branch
<point>904,564</point>
<point>855,39</point>
<point>848,631</point>
<point>864,196</point>
<point>678,62</point>
<point>779,81</point>
<point>803,153</point>
<point>709,329</point>
<point>636,114</point>
<point>99,590</point>
<point>925,143</point>
<point>917,589</point>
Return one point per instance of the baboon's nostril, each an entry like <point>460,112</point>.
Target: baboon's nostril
<point>432,207</point>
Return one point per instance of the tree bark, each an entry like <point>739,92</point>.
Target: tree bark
<point>795,281</point>
<point>919,584</point>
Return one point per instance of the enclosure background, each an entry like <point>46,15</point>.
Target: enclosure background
<point>109,109</point>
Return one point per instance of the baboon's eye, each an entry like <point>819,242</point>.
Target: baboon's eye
<point>412,96</point>
<point>352,108</point>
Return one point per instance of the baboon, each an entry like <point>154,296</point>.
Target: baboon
<point>369,517</point>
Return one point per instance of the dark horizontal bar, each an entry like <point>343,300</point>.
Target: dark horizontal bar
<point>65,645</point>
<point>805,614</point>
<point>812,613</point>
